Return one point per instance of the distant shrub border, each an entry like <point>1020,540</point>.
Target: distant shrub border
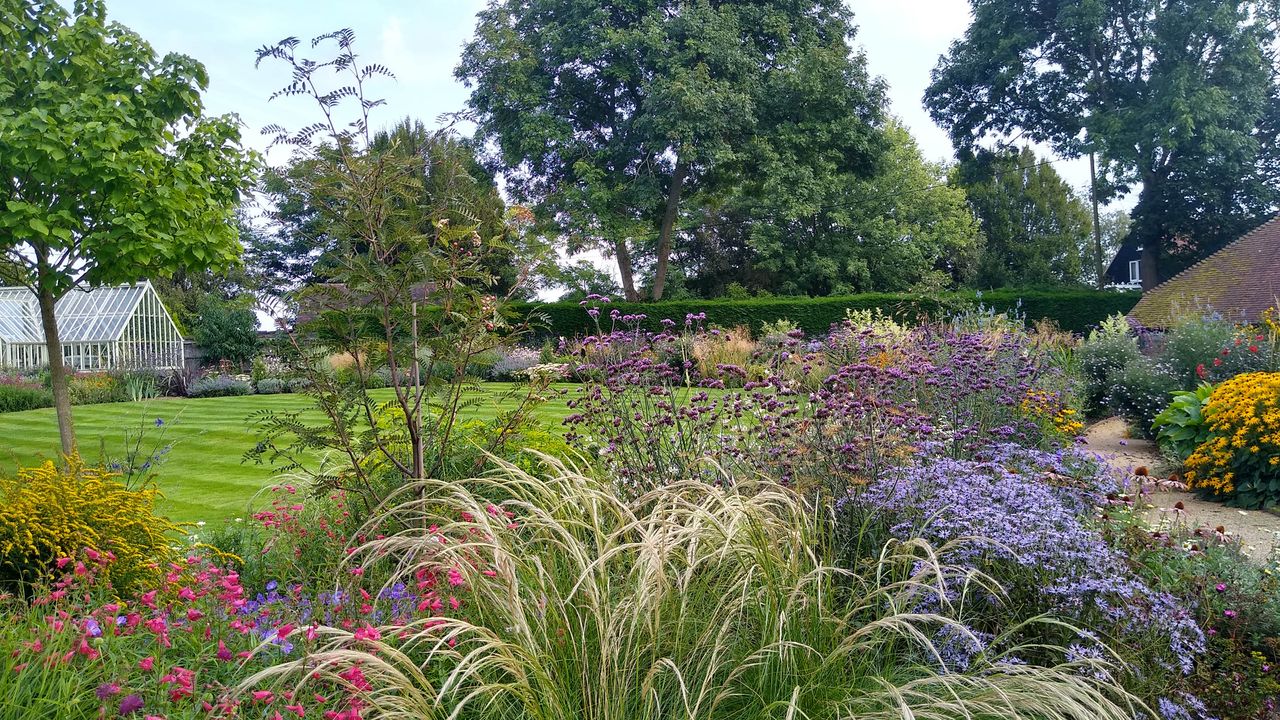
<point>1073,310</point>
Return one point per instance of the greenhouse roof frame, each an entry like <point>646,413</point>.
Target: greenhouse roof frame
<point>83,315</point>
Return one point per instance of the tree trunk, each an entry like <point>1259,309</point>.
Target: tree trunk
<point>58,377</point>
<point>668,226</point>
<point>1100,263</point>
<point>1147,265</point>
<point>624,269</point>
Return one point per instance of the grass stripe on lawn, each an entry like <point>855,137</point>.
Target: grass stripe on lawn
<point>203,477</point>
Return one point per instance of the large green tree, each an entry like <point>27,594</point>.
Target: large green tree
<point>608,116</point>
<point>1037,232</point>
<point>901,228</point>
<point>111,171</point>
<point>1176,97</point>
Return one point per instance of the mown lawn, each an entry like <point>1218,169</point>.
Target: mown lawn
<point>203,477</point>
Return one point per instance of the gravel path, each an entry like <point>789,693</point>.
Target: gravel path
<point>1259,531</point>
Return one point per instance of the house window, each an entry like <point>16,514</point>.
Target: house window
<point>1134,275</point>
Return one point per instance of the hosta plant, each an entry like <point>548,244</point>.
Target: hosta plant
<point>1181,428</point>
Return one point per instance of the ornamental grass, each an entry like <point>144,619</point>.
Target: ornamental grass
<point>689,600</point>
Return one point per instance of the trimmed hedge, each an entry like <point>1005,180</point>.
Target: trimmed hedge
<point>1074,310</point>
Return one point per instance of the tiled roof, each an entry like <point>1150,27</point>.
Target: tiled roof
<point>1240,281</point>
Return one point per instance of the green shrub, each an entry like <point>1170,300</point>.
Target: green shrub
<point>221,386</point>
<point>1197,341</point>
<point>1074,310</point>
<point>273,386</point>
<point>1181,427</point>
<point>1139,391</point>
<point>16,398</point>
<point>1108,349</point>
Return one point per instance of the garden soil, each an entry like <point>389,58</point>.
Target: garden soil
<point>1258,531</point>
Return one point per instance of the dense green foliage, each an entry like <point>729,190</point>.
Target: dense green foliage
<point>1178,97</point>
<point>609,114</point>
<point>902,229</point>
<point>226,331</point>
<point>1181,427</point>
<point>1074,310</point>
<point>299,246</point>
<point>1037,231</point>
<point>15,397</point>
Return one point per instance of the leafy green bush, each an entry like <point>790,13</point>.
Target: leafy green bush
<point>226,331</point>
<point>1139,391</point>
<point>220,386</point>
<point>18,397</point>
<point>1195,342</point>
<point>1108,349</point>
<point>273,386</point>
<point>1073,310</point>
<point>1181,427</point>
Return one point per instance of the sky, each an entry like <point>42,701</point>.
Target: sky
<point>421,41</point>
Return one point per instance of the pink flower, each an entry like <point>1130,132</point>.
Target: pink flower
<point>62,562</point>
<point>92,554</point>
<point>284,630</point>
<point>368,632</point>
<point>455,577</point>
<point>186,594</point>
<point>149,599</point>
<point>1229,613</point>
<point>194,614</point>
<point>1220,587</point>
<point>355,676</point>
<point>296,710</point>
<point>146,663</point>
<point>223,653</point>
<point>263,695</point>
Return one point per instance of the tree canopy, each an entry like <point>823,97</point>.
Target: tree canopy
<point>1180,98</point>
<point>607,117</point>
<point>111,171</point>
<point>296,246</point>
<point>1036,231</point>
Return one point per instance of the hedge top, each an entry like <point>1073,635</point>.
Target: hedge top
<point>1073,310</point>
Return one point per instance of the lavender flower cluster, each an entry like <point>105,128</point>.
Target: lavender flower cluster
<point>1032,511</point>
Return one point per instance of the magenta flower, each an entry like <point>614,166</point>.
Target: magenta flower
<point>106,690</point>
<point>1220,587</point>
<point>130,704</point>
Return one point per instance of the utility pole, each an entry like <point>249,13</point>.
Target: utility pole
<point>1097,224</point>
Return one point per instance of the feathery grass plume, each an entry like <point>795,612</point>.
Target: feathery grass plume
<point>690,601</point>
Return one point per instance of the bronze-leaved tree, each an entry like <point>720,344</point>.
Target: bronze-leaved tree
<point>110,169</point>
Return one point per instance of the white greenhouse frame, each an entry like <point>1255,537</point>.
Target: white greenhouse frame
<point>107,328</point>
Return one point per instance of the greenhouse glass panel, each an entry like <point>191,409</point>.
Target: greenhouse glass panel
<point>125,326</point>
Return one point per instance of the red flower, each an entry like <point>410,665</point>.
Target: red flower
<point>1200,371</point>
<point>1253,348</point>
<point>1217,362</point>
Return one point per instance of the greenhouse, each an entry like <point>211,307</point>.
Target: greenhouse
<point>108,328</point>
